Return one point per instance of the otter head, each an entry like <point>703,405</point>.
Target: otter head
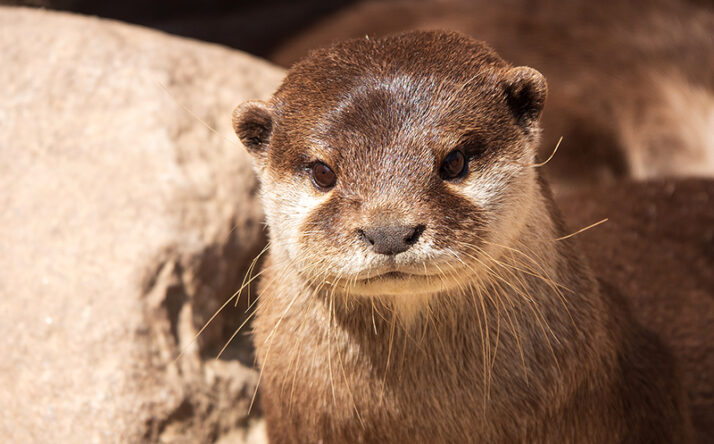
<point>396,166</point>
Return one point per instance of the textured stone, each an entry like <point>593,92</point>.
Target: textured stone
<point>125,222</point>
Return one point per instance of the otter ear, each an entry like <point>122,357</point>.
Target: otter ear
<point>253,124</point>
<point>526,91</point>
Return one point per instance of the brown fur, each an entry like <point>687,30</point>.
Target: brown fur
<point>658,248</point>
<point>631,83</point>
<point>513,340</point>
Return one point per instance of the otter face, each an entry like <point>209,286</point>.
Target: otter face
<point>396,166</point>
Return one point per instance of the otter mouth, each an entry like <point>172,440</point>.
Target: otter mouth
<point>394,280</point>
<point>392,275</point>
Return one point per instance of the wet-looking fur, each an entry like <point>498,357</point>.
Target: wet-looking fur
<point>484,328</point>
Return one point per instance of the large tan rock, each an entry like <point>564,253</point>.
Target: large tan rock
<point>124,224</point>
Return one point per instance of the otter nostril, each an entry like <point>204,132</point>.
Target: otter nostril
<point>413,237</point>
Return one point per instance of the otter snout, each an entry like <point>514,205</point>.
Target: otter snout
<point>392,239</point>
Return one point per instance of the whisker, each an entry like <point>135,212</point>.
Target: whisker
<point>582,229</point>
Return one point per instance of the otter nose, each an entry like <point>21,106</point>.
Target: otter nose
<point>393,239</point>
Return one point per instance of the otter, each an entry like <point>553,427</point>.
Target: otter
<point>420,284</point>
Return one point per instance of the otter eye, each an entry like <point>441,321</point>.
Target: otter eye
<point>322,176</point>
<point>453,166</point>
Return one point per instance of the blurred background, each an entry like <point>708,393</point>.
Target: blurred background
<point>257,27</point>
<point>262,27</point>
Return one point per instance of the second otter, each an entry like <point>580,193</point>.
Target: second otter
<point>415,290</point>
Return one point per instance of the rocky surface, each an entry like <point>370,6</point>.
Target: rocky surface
<point>125,222</point>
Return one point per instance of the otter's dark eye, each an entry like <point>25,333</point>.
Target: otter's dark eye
<point>453,166</point>
<point>322,176</point>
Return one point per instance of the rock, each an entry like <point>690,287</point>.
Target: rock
<point>125,223</point>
